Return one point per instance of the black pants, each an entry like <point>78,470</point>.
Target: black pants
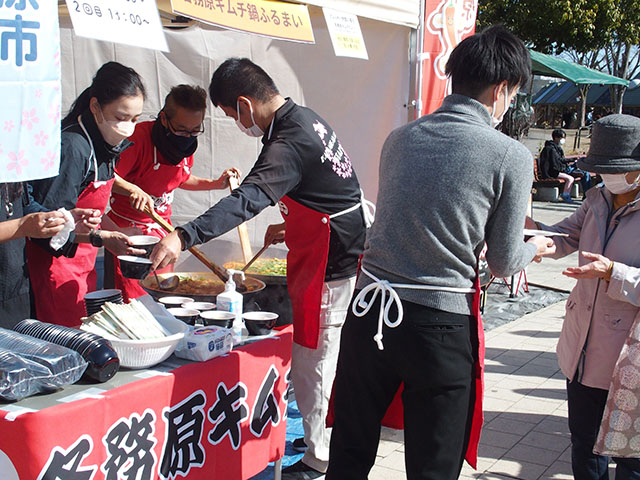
<point>433,353</point>
<point>586,407</point>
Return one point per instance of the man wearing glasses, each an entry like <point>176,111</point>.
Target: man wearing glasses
<point>160,161</point>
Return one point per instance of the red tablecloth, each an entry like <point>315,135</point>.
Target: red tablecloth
<point>225,418</point>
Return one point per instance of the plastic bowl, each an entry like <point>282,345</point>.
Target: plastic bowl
<point>145,242</point>
<point>146,353</point>
<point>260,323</point>
<point>134,267</point>
<point>187,315</point>
<point>200,306</point>
<point>174,301</point>
<point>219,319</point>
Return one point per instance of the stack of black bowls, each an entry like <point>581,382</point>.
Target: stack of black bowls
<point>102,359</point>
<point>93,301</point>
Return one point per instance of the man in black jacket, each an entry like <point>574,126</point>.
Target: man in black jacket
<point>554,165</point>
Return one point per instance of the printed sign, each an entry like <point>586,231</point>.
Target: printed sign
<point>285,21</point>
<point>132,22</point>
<point>345,33</point>
<point>29,89</point>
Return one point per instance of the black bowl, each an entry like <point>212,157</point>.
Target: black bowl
<point>219,319</point>
<point>134,267</point>
<point>145,242</point>
<point>260,323</point>
<point>187,315</point>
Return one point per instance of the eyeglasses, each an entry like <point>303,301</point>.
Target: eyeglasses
<point>186,133</point>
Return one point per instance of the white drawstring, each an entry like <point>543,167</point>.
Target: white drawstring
<point>383,287</point>
<point>361,305</point>
<point>368,209</point>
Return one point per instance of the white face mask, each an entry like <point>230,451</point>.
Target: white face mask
<point>254,130</point>
<point>562,140</point>
<point>496,121</point>
<point>115,131</point>
<point>616,183</point>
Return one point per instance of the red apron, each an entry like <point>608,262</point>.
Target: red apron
<point>158,174</point>
<point>394,418</point>
<point>307,237</point>
<point>60,283</point>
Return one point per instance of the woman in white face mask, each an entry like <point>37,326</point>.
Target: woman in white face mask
<point>93,136</point>
<point>603,310</point>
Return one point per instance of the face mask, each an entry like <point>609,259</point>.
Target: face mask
<point>114,131</point>
<point>616,183</point>
<point>496,121</point>
<point>254,130</point>
<point>562,140</point>
<point>184,144</point>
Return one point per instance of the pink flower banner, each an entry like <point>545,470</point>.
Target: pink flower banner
<point>29,89</point>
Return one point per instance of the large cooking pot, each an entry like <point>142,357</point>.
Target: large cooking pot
<point>274,298</point>
<point>209,288</point>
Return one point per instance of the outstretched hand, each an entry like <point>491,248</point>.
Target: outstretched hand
<point>597,268</point>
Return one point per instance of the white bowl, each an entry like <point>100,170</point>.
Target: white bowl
<point>174,301</point>
<point>200,306</point>
<point>146,353</point>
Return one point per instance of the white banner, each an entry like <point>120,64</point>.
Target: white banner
<point>132,22</point>
<point>29,89</point>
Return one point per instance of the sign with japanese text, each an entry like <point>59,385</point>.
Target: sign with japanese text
<point>132,22</point>
<point>29,89</point>
<point>285,21</point>
<point>225,418</point>
<point>345,33</point>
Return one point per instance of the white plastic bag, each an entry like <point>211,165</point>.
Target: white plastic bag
<point>204,343</point>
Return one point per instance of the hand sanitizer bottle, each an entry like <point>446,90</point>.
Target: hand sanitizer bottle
<point>231,301</point>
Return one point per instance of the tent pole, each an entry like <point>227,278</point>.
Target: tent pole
<point>420,59</point>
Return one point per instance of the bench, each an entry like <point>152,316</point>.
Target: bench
<point>548,189</point>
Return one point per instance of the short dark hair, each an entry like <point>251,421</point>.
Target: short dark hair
<point>558,133</point>
<point>189,97</point>
<point>240,77</point>
<point>486,59</point>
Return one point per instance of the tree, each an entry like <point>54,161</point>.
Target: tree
<point>594,32</point>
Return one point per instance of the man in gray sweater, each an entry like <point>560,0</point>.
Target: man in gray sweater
<point>449,183</point>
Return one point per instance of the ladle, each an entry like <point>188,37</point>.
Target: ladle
<point>169,283</point>
<point>219,271</point>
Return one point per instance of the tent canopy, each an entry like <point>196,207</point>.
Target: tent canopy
<point>542,64</point>
<point>399,12</point>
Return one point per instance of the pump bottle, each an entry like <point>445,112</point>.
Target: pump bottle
<point>231,301</point>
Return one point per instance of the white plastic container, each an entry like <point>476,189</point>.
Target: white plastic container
<point>231,301</point>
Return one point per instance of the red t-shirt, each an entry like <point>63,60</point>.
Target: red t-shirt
<point>144,166</point>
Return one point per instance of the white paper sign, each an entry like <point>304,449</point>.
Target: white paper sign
<point>29,90</point>
<point>132,22</point>
<point>345,33</point>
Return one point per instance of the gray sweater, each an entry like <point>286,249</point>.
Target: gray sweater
<point>448,184</point>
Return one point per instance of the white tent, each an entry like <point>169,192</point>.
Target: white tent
<point>362,100</point>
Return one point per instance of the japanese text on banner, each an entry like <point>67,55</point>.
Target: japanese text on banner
<point>285,21</point>
<point>120,21</point>
<point>30,90</point>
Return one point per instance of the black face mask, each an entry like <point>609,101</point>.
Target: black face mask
<point>184,144</point>
<point>173,148</point>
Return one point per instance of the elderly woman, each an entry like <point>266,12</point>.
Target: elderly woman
<point>601,308</point>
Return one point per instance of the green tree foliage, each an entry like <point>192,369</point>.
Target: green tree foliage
<point>602,32</point>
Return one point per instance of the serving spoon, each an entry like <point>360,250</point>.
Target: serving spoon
<point>169,284</point>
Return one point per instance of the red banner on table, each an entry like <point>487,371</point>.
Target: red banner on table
<point>225,418</point>
<point>447,23</point>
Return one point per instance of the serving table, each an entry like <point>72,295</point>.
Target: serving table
<point>224,418</point>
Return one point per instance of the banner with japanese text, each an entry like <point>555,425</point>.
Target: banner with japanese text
<point>285,21</point>
<point>224,418</point>
<point>447,23</point>
<point>29,89</point>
